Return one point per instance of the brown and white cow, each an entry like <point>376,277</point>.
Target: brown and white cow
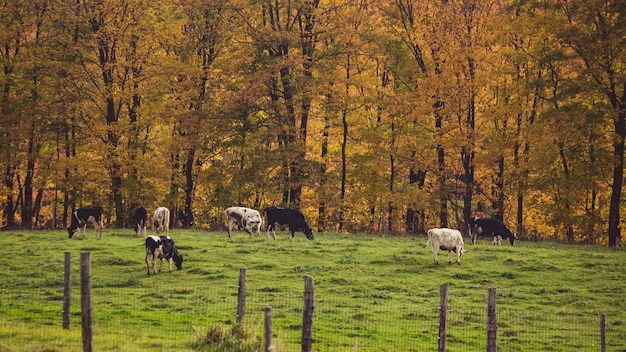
<point>448,240</point>
<point>85,215</point>
<point>161,221</point>
<point>248,219</point>
<point>159,247</point>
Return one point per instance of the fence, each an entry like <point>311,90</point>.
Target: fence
<point>367,324</point>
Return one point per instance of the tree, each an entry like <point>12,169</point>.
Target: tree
<point>594,31</point>
<point>108,46</point>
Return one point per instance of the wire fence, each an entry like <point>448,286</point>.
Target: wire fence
<point>365,324</point>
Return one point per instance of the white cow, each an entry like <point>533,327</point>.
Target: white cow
<point>247,219</point>
<point>161,220</point>
<point>446,239</point>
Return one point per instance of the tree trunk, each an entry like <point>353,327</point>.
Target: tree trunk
<point>321,218</point>
<point>9,183</point>
<point>27,210</point>
<point>189,187</point>
<point>497,204</point>
<point>344,165</point>
<point>441,168</point>
<point>618,177</point>
<point>415,218</point>
<point>344,143</point>
<point>569,229</point>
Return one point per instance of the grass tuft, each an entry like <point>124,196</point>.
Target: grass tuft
<point>219,337</point>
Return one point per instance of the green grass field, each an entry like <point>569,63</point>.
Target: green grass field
<point>372,293</point>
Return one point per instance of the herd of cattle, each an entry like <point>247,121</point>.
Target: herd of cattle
<point>250,220</point>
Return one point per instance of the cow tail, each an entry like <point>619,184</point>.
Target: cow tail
<point>430,236</point>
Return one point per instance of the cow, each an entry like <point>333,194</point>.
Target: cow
<point>490,227</point>
<point>285,216</point>
<point>248,219</point>
<point>447,240</point>
<point>85,215</point>
<point>159,247</point>
<point>141,220</point>
<point>161,221</point>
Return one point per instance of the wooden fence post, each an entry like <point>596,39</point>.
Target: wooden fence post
<point>307,315</point>
<point>492,321</point>
<point>67,289</point>
<point>268,329</point>
<point>85,300</point>
<point>443,316</point>
<point>241,295</point>
<point>602,333</point>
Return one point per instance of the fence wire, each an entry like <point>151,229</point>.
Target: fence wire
<point>365,324</point>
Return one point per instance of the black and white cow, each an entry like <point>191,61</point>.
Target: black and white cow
<point>285,216</point>
<point>161,220</point>
<point>85,215</point>
<point>141,220</point>
<point>447,240</point>
<point>248,219</point>
<point>490,227</point>
<point>159,247</point>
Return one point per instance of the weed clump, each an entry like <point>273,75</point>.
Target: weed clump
<point>218,337</point>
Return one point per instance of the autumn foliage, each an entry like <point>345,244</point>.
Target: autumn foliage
<point>368,116</point>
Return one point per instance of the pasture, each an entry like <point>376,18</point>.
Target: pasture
<point>372,293</point>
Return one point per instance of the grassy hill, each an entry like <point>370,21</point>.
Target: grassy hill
<point>372,293</point>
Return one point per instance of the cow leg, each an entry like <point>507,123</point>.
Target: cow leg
<point>166,223</point>
<point>84,230</point>
<point>270,227</point>
<point>148,261</point>
<point>458,255</point>
<point>230,227</point>
<point>435,255</point>
<point>449,256</point>
<point>161,264</point>
<point>99,229</point>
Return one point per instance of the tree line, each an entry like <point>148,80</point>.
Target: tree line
<point>367,115</point>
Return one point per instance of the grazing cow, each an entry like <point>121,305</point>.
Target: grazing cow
<point>285,216</point>
<point>159,247</point>
<point>141,220</point>
<point>490,227</point>
<point>446,240</point>
<point>85,215</point>
<point>161,220</point>
<point>247,219</point>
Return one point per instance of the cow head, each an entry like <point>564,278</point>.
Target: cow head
<point>178,260</point>
<point>71,231</point>
<point>308,233</point>
<point>473,229</point>
<point>252,223</point>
